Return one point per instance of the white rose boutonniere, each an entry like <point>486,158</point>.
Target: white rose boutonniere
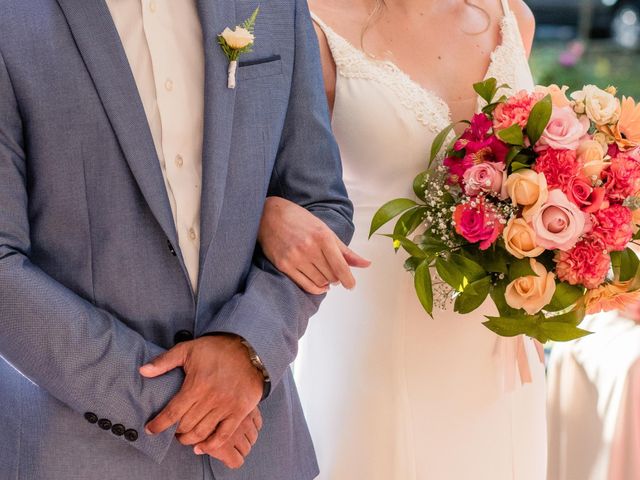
<point>238,42</point>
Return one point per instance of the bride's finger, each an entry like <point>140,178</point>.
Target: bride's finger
<point>315,275</point>
<point>305,284</point>
<point>321,264</point>
<point>339,265</point>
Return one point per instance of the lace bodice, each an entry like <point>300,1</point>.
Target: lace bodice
<point>385,122</point>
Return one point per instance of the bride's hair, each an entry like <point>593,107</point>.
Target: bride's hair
<point>380,4</point>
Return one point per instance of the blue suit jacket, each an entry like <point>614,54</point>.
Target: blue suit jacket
<point>92,282</point>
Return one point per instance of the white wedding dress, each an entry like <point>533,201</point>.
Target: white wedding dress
<point>389,393</point>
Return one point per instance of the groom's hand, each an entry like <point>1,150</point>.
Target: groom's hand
<point>237,449</point>
<point>221,388</point>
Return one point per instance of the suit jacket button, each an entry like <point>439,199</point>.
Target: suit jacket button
<point>91,417</point>
<point>118,430</point>
<point>131,435</point>
<point>182,336</point>
<point>104,424</point>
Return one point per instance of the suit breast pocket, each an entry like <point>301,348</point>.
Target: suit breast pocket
<point>260,68</point>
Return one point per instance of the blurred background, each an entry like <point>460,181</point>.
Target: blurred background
<point>587,41</point>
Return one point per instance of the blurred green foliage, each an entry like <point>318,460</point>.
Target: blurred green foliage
<point>601,64</point>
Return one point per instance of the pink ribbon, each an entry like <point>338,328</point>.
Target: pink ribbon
<point>515,357</point>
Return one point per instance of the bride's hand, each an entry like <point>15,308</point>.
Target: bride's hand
<point>302,247</point>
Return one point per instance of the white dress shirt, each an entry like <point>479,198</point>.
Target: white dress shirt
<point>164,46</point>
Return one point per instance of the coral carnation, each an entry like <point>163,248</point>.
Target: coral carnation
<point>585,264</point>
<point>622,178</point>
<point>558,167</point>
<point>516,110</point>
<point>614,227</point>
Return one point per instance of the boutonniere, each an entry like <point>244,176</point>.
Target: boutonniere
<point>238,42</point>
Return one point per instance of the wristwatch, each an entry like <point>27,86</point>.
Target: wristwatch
<point>257,362</point>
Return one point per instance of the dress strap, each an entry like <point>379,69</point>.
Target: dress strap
<point>505,6</point>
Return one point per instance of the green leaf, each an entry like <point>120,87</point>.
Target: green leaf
<point>564,296</point>
<point>409,221</point>
<point>629,265</point>
<point>497,295</point>
<point>512,135</point>
<point>412,263</point>
<point>431,245</point>
<point>514,151</point>
<point>515,166</point>
<point>492,260</point>
<point>436,146</point>
<point>574,317</point>
<point>411,247</point>
<point>458,271</point>
<point>389,211</point>
<point>521,268</point>
<point>250,23</point>
<point>424,287</point>
<point>539,119</point>
<point>486,89</point>
<point>473,296</point>
<point>511,326</point>
<point>561,331</point>
<point>419,185</point>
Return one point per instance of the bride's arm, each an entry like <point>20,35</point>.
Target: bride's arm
<point>302,247</point>
<point>526,22</point>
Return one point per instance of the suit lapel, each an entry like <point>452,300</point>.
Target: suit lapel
<point>99,44</point>
<point>219,101</point>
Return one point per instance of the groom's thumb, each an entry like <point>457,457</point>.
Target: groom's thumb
<point>164,363</point>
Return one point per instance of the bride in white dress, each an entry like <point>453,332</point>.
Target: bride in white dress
<point>389,393</point>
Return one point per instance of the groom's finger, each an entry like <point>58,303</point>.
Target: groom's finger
<point>315,275</point>
<point>165,362</point>
<point>307,285</point>
<point>352,258</point>
<point>223,433</point>
<point>339,265</point>
<point>171,414</point>
<point>203,430</point>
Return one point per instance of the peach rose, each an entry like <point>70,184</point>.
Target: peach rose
<point>239,38</point>
<point>558,95</point>
<point>532,293</point>
<point>520,239</point>
<point>564,131</point>
<point>528,189</point>
<point>559,223</point>
<point>591,155</point>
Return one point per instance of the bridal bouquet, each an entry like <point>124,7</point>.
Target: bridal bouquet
<point>534,205</point>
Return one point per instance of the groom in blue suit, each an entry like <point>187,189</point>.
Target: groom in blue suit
<point>103,269</point>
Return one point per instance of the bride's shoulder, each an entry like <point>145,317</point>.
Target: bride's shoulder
<point>526,21</point>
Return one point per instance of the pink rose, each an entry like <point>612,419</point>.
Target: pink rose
<point>484,177</point>
<point>614,225</point>
<point>478,221</point>
<point>564,131</point>
<point>587,197</point>
<point>559,223</point>
<point>585,264</point>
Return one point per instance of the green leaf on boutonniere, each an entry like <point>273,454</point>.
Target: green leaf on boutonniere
<point>539,119</point>
<point>389,211</point>
<point>424,286</point>
<point>564,296</point>
<point>473,296</point>
<point>512,135</point>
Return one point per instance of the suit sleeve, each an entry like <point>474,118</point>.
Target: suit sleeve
<point>83,356</point>
<point>272,313</point>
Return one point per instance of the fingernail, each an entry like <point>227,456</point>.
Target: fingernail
<point>147,431</point>
<point>197,451</point>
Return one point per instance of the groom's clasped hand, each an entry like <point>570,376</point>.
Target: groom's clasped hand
<point>216,409</point>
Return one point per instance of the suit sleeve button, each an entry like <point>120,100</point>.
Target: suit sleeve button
<point>118,430</point>
<point>91,417</point>
<point>131,435</point>
<point>104,424</point>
